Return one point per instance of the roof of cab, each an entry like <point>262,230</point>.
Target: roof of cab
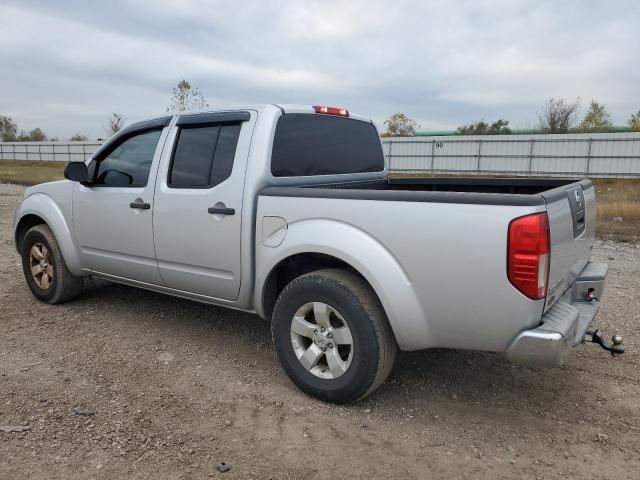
<point>284,108</point>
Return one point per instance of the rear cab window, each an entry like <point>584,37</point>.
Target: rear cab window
<point>313,144</point>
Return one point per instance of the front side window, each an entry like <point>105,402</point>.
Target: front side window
<point>129,163</point>
<point>203,156</point>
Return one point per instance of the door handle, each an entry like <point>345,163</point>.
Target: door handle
<point>140,204</point>
<point>221,211</point>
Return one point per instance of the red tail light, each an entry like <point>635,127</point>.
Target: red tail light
<point>331,110</point>
<point>528,254</point>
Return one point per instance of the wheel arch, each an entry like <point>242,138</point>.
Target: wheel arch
<point>294,266</point>
<point>354,250</point>
<point>39,209</point>
<point>26,222</point>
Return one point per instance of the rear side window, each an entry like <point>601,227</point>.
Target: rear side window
<point>203,156</point>
<point>307,144</point>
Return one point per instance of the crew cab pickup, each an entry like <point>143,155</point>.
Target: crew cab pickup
<point>287,212</point>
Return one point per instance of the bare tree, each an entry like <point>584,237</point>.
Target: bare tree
<point>558,115</point>
<point>399,125</point>
<point>35,135</point>
<point>115,122</point>
<point>185,97</point>
<point>79,138</point>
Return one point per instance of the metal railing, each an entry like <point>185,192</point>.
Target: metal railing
<point>47,151</point>
<point>590,155</point>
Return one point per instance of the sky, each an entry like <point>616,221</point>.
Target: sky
<point>66,65</point>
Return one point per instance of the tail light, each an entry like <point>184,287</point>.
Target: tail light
<point>528,255</point>
<point>341,112</point>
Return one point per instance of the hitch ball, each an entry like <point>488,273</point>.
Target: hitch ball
<point>596,337</point>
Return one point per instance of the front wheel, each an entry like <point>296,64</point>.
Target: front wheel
<point>44,267</point>
<point>332,337</point>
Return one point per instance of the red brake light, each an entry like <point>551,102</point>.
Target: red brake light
<point>528,254</point>
<point>341,112</point>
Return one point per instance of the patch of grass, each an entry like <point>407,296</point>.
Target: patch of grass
<point>618,203</point>
<point>30,172</point>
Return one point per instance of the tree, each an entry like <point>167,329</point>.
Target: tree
<point>114,123</point>
<point>558,115</point>
<point>35,135</point>
<point>79,138</point>
<point>499,127</point>
<point>185,97</point>
<point>8,129</point>
<point>399,125</point>
<point>597,119</point>
<point>634,122</point>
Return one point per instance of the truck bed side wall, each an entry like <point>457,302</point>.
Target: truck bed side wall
<point>439,269</point>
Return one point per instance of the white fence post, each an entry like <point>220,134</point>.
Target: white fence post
<point>588,166</point>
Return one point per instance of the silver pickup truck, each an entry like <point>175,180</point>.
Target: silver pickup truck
<point>287,212</point>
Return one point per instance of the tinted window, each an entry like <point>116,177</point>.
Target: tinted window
<point>203,156</point>
<point>192,158</point>
<point>324,145</point>
<point>129,163</point>
<point>225,152</point>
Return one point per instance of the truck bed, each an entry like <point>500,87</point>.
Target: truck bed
<point>485,191</point>
<point>449,236</point>
<point>518,186</point>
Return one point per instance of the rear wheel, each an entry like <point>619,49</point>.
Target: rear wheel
<point>44,267</point>
<point>332,336</point>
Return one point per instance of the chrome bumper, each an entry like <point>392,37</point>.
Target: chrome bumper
<point>564,324</point>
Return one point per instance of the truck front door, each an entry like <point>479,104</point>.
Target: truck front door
<point>112,216</point>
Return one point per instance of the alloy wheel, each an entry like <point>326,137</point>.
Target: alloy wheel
<point>321,340</point>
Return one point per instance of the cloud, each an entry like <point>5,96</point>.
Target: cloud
<point>66,65</point>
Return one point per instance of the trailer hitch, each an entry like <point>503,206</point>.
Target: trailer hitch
<point>596,337</point>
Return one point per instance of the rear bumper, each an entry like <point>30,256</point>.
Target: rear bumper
<point>564,324</point>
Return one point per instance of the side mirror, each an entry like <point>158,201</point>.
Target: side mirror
<point>76,172</point>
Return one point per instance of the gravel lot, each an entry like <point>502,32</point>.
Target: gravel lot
<point>124,383</point>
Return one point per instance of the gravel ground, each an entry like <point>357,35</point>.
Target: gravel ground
<point>124,383</point>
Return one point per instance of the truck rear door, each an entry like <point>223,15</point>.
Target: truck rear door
<point>572,216</point>
<point>198,203</point>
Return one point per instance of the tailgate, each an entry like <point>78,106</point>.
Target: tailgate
<point>572,217</point>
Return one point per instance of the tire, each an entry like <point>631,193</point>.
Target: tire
<point>341,373</point>
<point>54,283</point>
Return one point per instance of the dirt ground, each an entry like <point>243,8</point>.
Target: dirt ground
<point>124,383</point>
